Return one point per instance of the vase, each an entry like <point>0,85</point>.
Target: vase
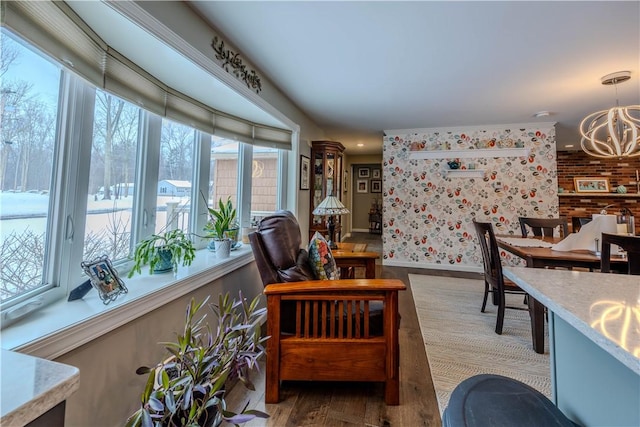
<point>223,248</point>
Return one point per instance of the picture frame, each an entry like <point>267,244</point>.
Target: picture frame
<point>585,184</point>
<point>362,186</point>
<point>104,278</point>
<point>364,172</point>
<point>376,174</point>
<point>346,182</point>
<point>305,169</point>
<point>376,186</point>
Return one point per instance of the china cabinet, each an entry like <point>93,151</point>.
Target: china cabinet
<point>326,178</point>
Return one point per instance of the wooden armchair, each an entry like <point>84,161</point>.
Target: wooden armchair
<point>323,330</point>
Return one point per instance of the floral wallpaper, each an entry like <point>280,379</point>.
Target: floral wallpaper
<point>428,214</point>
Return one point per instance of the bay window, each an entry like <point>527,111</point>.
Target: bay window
<point>86,171</point>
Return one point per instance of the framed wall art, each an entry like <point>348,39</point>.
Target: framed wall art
<point>104,278</point>
<point>376,174</point>
<point>364,172</point>
<point>305,166</point>
<point>376,186</point>
<point>362,186</point>
<point>591,184</point>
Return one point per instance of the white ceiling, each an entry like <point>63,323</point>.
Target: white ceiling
<point>358,68</point>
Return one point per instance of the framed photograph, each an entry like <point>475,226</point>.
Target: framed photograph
<point>305,166</point>
<point>376,174</point>
<point>104,278</point>
<point>376,186</point>
<point>362,186</point>
<point>591,185</point>
<point>363,172</point>
<point>346,182</point>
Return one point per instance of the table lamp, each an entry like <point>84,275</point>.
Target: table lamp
<point>331,206</point>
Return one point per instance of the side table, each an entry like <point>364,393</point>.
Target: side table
<point>350,256</point>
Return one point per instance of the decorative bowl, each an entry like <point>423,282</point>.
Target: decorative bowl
<point>454,164</point>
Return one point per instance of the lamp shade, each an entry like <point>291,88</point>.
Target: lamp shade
<point>331,205</point>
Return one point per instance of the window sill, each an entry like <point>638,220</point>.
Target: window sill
<point>65,325</point>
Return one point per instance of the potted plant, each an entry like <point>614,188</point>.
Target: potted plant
<point>188,389</point>
<point>222,227</point>
<point>163,252</point>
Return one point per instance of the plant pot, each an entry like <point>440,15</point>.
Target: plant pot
<point>223,248</point>
<point>166,261</point>
<point>232,234</point>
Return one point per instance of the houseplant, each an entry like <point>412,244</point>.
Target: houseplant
<point>222,226</point>
<point>163,252</point>
<point>188,389</point>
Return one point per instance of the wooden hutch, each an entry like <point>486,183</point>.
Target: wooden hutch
<point>326,178</point>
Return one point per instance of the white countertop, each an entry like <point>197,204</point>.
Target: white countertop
<point>604,307</point>
<point>30,386</point>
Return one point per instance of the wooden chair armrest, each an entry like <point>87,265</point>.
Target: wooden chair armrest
<point>378,285</point>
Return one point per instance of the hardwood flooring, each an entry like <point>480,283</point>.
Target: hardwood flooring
<point>357,404</point>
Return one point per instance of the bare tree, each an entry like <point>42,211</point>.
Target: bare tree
<point>177,151</point>
<point>111,109</point>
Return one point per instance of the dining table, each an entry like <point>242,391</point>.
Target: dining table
<point>537,252</point>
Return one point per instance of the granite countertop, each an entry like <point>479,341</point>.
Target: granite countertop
<point>604,307</point>
<point>30,386</point>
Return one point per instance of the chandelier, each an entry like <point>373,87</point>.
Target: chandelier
<point>614,132</point>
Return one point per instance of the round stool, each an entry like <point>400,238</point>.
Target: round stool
<point>494,400</point>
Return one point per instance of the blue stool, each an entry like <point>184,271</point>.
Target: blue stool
<point>494,400</point>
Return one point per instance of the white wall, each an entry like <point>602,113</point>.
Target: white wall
<point>109,389</point>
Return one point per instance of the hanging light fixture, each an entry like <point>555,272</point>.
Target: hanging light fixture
<point>614,132</point>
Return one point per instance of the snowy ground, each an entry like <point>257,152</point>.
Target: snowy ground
<point>31,209</point>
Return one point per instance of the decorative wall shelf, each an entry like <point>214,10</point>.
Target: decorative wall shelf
<point>470,153</point>
<point>601,195</point>
<point>465,173</point>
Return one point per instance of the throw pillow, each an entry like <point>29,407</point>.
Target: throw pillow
<point>322,263</point>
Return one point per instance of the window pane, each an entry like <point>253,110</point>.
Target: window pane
<point>264,181</point>
<point>175,176</point>
<point>112,172</point>
<point>224,171</point>
<point>28,109</point>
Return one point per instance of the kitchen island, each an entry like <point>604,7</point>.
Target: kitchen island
<point>34,390</point>
<point>594,335</point>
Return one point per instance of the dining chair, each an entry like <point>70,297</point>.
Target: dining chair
<point>494,281</point>
<point>578,221</point>
<point>544,226</point>
<point>631,246</point>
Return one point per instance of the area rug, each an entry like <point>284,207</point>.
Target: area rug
<point>461,341</point>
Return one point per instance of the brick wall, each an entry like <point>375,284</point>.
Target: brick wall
<point>577,163</point>
<point>619,172</point>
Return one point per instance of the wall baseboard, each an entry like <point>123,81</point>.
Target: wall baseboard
<point>430,266</point>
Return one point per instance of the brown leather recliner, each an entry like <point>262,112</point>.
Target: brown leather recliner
<point>280,259</point>
<point>277,249</point>
<point>323,330</point>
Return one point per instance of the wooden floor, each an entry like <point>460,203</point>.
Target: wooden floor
<point>357,404</point>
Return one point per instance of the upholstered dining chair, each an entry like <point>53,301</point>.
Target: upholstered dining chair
<point>323,330</point>
<point>631,246</point>
<point>544,226</point>
<point>494,281</point>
